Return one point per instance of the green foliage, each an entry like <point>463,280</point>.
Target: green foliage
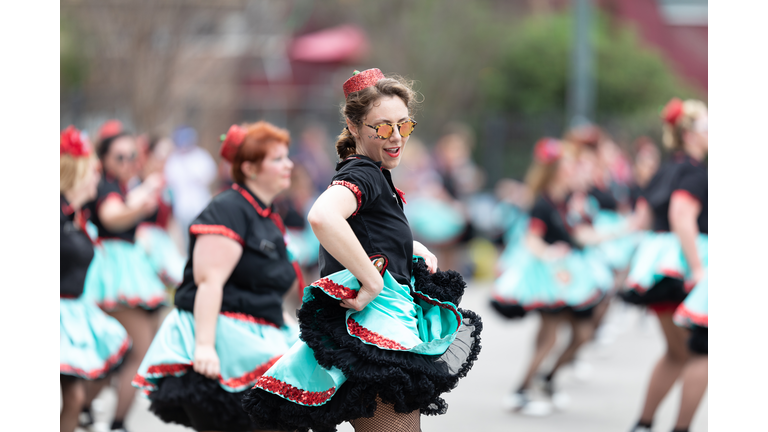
<point>73,67</point>
<point>531,75</point>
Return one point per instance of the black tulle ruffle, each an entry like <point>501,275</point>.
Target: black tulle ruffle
<point>198,402</point>
<point>666,290</point>
<point>407,380</point>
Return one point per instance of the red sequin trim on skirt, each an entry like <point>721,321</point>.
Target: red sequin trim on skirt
<point>334,289</point>
<point>363,333</point>
<point>304,397</point>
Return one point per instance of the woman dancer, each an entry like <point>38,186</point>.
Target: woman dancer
<point>381,335</point>
<point>121,278</point>
<point>673,258</point>
<point>548,272</point>
<point>693,314</point>
<point>92,344</point>
<point>154,234</point>
<point>228,326</point>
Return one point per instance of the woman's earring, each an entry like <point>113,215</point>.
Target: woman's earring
<point>252,176</point>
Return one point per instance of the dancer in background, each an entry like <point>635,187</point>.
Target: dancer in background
<point>228,326</point>
<point>673,258</point>
<point>92,344</point>
<point>121,278</point>
<point>693,314</point>
<point>159,234</point>
<point>381,335</point>
<point>549,273</point>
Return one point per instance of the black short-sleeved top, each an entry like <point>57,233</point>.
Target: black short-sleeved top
<point>605,198</point>
<point>549,220</point>
<point>109,187</point>
<point>378,221</point>
<point>263,274</point>
<point>681,174</point>
<point>76,254</point>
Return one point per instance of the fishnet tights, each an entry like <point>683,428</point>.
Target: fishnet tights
<point>387,419</point>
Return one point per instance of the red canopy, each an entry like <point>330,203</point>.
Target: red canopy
<point>345,43</point>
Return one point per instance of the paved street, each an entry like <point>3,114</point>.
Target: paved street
<point>608,401</point>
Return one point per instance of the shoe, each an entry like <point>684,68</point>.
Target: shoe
<point>537,408</point>
<point>516,400</point>
<point>559,399</point>
<point>85,419</point>
<point>640,429</point>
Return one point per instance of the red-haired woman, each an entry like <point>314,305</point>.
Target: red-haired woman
<point>92,343</point>
<point>228,326</point>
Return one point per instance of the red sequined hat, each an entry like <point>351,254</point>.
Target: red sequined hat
<point>361,80</point>
<point>73,143</point>
<point>672,111</point>
<point>547,150</point>
<point>232,141</point>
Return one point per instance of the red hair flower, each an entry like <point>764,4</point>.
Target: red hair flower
<point>672,111</point>
<point>547,150</point>
<point>232,141</point>
<point>73,143</point>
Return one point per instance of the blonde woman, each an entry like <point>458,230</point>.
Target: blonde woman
<point>92,344</point>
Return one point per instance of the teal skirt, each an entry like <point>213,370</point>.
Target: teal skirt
<point>92,344</point>
<point>694,311</point>
<point>247,346</point>
<point>163,254</point>
<point>578,281</point>
<point>618,252</point>
<point>434,221</point>
<point>122,274</point>
<point>408,346</point>
<point>660,256</point>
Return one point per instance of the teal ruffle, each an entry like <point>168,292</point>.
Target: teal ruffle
<point>694,311</point>
<point>121,273</point>
<point>660,255</point>
<point>91,342</point>
<point>163,254</point>
<point>246,347</point>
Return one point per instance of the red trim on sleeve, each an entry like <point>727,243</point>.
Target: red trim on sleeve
<point>683,194</point>
<point>198,229</point>
<point>537,226</point>
<point>355,190</point>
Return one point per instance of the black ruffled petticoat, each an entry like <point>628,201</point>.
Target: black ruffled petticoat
<point>198,402</point>
<point>407,380</point>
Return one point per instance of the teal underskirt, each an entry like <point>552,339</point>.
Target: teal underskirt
<point>694,311</point>
<point>121,273</point>
<point>91,343</point>
<point>660,255</point>
<point>394,320</point>
<point>246,347</point>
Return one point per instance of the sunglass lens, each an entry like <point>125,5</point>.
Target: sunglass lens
<point>406,128</point>
<point>384,130</point>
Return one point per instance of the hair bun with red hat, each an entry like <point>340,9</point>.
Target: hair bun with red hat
<point>547,150</point>
<point>672,111</point>
<point>232,141</point>
<point>362,80</point>
<point>74,143</point>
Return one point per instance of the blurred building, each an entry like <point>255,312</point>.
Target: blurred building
<point>204,63</point>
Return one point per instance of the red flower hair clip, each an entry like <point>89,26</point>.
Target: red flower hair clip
<point>362,80</point>
<point>672,111</point>
<point>109,129</point>
<point>231,142</point>
<point>547,150</point>
<point>73,143</point>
